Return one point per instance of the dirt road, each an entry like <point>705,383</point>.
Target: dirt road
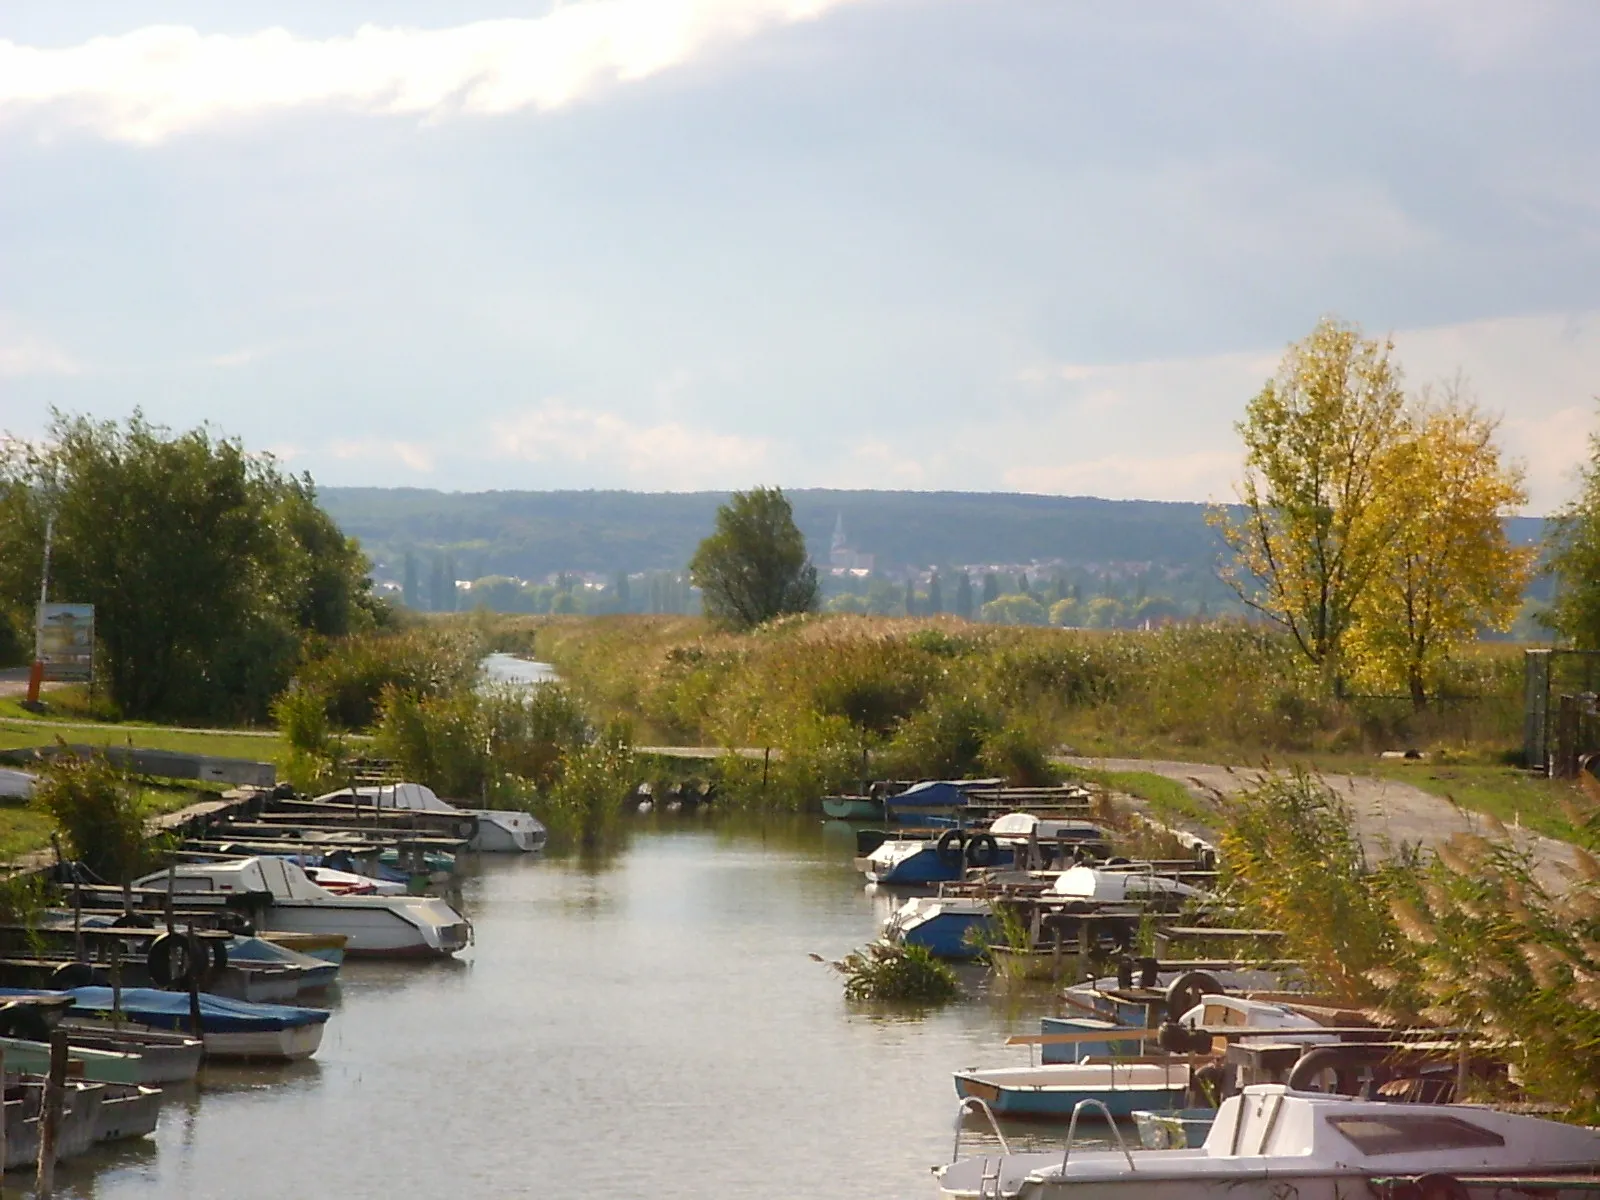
<point>1388,813</point>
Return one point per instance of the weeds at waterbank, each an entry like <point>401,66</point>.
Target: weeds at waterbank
<point>942,697</point>
<point>881,973</point>
<point>1464,938</point>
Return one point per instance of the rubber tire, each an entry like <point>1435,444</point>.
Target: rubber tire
<point>23,1021</point>
<point>72,975</point>
<point>983,851</point>
<point>134,920</point>
<point>161,960</point>
<point>1184,992</point>
<point>951,847</point>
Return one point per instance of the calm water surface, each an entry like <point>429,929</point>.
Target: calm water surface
<point>649,1026</point>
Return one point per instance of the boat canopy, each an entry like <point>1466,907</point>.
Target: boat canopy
<point>285,880</point>
<point>412,797</point>
<point>938,793</point>
<point>1021,826</point>
<point>1090,883</point>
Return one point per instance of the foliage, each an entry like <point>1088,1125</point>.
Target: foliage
<point>314,754</point>
<point>754,567</point>
<point>205,564</point>
<point>1290,858</point>
<point>1018,608</point>
<point>1317,443</point>
<point>585,805</point>
<point>889,974</point>
<point>1573,548</point>
<point>350,674</point>
<point>97,813</point>
<point>1448,569</point>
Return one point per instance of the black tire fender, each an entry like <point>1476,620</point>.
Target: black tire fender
<point>983,850</point>
<point>24,1021</point>
<point>173,957</point>
<point>951,847</point>
<point>1184,992</point>
<point>72,975</point>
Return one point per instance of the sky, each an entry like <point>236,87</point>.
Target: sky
<point>1016,245</point>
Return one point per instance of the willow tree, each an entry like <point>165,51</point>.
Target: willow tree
<point>754,566</point>
<point>1313,532</point>
<point>1449,569</point>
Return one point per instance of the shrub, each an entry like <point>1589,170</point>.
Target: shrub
<point>890,974</point>
<point>97,814</point>
<point>350,674</point>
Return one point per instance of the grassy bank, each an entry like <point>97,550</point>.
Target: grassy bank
<point>932,695</point>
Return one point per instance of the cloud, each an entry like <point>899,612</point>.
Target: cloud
<point>646,456</point>
<point>23,353</point>
<point>1126,476</point>
<point>410,454</point>
<point>162,80</point>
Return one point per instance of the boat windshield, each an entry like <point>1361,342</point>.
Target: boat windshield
<point>1399,1133</point>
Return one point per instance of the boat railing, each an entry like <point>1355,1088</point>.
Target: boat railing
<point>1072,1131</point>
<point>970,1104</point>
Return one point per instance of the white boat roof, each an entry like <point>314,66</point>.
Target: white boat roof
<point>1090,883</point>
<point>413,797</point>
<point>1022,826</point>
<point>284,879</point>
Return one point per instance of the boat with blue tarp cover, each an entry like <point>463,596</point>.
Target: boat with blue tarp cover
<point>229,1028</point>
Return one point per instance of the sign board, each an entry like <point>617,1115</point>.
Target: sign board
<point>66,641</point>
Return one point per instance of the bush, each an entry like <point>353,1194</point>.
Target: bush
<point>890,974</point>
<point>585,805</point>
<point>350,674</point>
<point>97,814</point>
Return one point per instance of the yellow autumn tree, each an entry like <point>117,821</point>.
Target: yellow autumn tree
<point>1313,530</point>
<point>1448,568</point>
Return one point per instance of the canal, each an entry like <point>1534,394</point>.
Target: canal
<point>648,1025</point>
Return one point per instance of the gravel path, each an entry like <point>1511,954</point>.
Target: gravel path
<point>1387,812</point>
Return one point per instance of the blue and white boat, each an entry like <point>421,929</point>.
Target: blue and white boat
<point>923,861</point>
<point>1054,1091</point>
<point>314,974</point>
<point>932,796</point>
<point>1052,1053</point>
<point>228,1028</point>
<point>959,927</point>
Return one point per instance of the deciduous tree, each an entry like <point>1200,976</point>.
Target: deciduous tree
<point>1312,534</point>
<point>754,566</point>
<point>1448,569</point>
<point>1574,556</point>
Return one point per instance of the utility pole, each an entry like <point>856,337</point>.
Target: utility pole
<point>36,674</point>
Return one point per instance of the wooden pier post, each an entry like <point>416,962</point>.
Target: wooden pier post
<point>55,1090</point>
<point>116,984</point>
<point>195,951</point>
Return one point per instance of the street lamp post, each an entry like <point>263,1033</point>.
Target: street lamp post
<point>36,673</point>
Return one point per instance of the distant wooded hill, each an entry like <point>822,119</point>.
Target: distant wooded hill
<point>532,534</point>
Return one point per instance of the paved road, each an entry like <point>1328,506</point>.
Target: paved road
<point>1387,812</point>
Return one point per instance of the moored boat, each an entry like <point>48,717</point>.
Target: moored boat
<point>1269,1142</point>
<point>1054,1091</point>
<point>229,1028</point>
<point>164,1056</point>
<point>494,830</point>
<point>377,926</point>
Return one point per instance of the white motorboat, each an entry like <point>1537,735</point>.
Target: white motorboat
<point>495,830</point>
<point>15,785</point>
<point>1269,1142</point>
<point>375,926</point>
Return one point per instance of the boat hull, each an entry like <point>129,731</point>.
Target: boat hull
<point>853,808</point>
<point>507,833</point>
<point>371,927</point>
<point>953,935</point>
<point>1056,1091</point>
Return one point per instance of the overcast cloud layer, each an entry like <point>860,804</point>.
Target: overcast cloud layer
<point>1037,246</point>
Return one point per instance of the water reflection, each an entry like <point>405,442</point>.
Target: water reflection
<point>501,669</point>
<point>654,1026</point>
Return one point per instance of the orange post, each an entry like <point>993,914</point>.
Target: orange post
<point>35,678</point>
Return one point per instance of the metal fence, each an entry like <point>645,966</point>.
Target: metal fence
<point>1559,724</point>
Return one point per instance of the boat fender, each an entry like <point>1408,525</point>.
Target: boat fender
<point>171,959</point>
<point>1184,992</point>
<point>134,920</point>
<point>219,957</point>
<point>1119,861</point>
<point>1175,1039</point>
<point>983,850</point>
<point>1124,972</point>
<point>71,975</point>
<point>1342,1060</point>
<point>24,1021</point>
<point>1149,972</point>
<point>952,843</point>
<point>467,829</point>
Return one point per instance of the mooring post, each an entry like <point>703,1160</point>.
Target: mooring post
<point>195,959</point>
<point>172,883</point>
<point>77,916</point>
<point>55,1089</point>
<point>116,983</point>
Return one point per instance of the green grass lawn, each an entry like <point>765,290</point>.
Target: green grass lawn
<point>1169,800</point>
<point>24,829</point>
<point>20,728</point>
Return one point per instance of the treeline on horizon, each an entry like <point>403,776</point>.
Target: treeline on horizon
<point>533,535</point>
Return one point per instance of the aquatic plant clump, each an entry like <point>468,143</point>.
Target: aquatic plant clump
<point>888,974</point>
